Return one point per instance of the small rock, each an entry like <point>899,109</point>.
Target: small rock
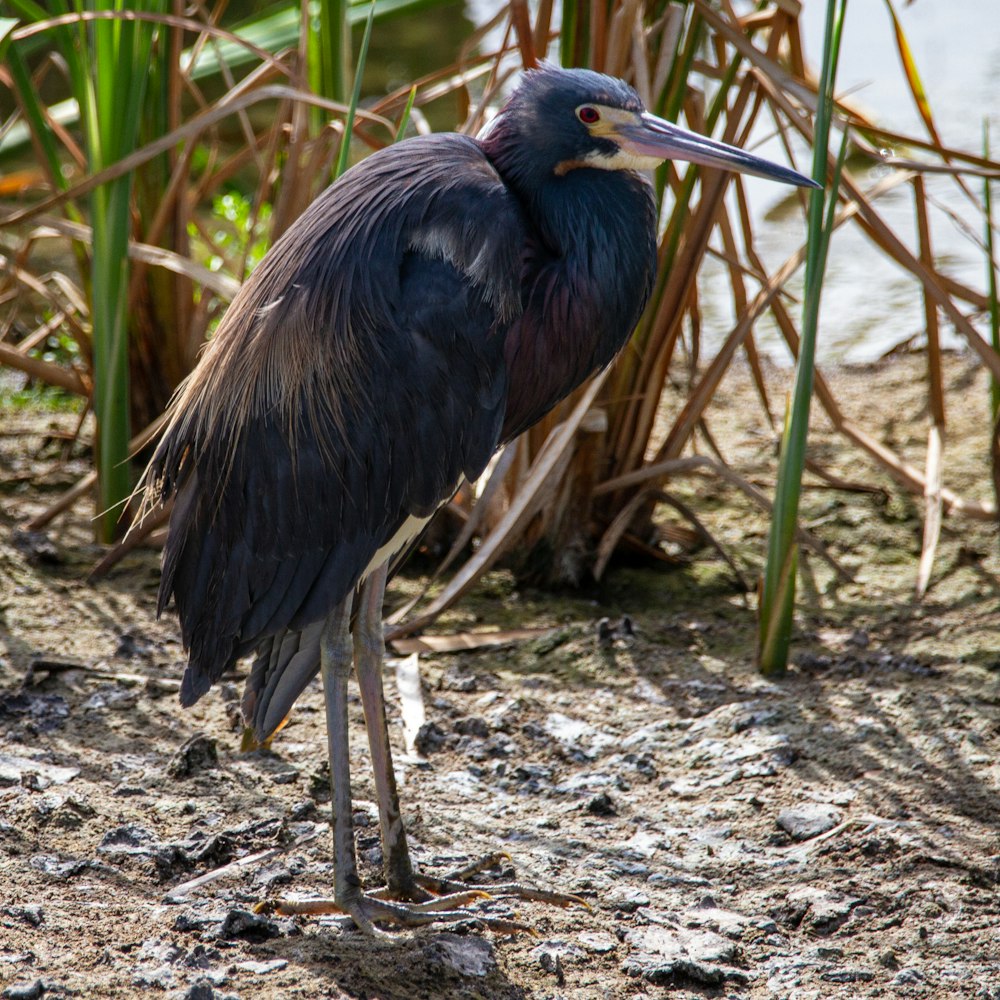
<point>753,719</point>
<point>602,805</point>
<point>472,725</point>
<point>306,809</point>
<point>24,991</point>
<point>129,839</point>
<point>195,921</point>
<point>107,696</point>
<point>430,737</point>
<point>823,912</point>
<point>274,875</point>
<point>200,753</point>
<point>597,943</point>
<point>200,957</point>
<point>203,989</point>
<point>847,976</point>
<point>30,913</point>
<point>262,968</point>
<point>217,850</point>
<point>55,867</point>
<point>709,915</point>
<point>456,679</point>
<point>807,821</point>
<point>626,899</point>
<point>254,927</point>
<point>662,954</point>
<point>14,770</point>
<point>469,956</point>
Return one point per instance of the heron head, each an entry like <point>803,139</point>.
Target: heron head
<point>560,120</point>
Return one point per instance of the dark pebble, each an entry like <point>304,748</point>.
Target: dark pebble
<point>200,753</point>
<point>24,991</point>
<point>430,737</point>
<point>472,725</point>
<point>602,805</point>
<point>254,927</point>
<point>306,809</point>
<point>848,976</point>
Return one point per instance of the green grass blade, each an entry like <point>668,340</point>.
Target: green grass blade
<point>329,52</point>
<point>111,99</point>
<point>568,33</point>
<point>404,118</point>
<point>7,25</point>
<point>35,123</point>
<point>345,143</point>
<point>778,591</point>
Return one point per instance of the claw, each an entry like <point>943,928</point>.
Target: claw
<point>368,909</point>
<point>452,895</point>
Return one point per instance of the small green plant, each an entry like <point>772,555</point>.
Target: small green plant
<point>236,237</point>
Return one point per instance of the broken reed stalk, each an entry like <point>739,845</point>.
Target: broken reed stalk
<point>994,311</point>
<point>935,434</point>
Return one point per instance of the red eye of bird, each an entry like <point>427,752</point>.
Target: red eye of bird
<point>588,115</point>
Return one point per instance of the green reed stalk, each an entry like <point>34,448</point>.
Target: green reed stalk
<point>110,83</point>
<point>778,591</point>
<point>328,45</point>
<point>345,142</point>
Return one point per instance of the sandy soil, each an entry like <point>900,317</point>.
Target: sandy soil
<point>829,834</point>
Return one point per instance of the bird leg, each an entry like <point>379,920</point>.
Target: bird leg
<point>335,663</point>
<point>429,899</point>
<point>369,648</point>
<point>401,880</point>
<point>336,654</point>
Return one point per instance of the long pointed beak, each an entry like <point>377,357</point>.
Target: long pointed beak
<point>662,140</point>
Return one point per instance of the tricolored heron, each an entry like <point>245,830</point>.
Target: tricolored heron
<point>434,302</point>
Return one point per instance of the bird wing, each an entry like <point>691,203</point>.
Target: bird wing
<point>356,377</point>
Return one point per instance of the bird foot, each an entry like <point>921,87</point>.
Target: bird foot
<point>367,909</point>
<point>458,879</point>
<point>436,900</point>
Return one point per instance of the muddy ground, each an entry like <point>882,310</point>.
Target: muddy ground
<point>830,834</point>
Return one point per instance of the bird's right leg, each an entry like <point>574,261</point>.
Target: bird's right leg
<point>336,658</point>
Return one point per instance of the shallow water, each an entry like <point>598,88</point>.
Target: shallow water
<point>869,304</point>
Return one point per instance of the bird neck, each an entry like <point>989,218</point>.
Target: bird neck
<point>585,283</point>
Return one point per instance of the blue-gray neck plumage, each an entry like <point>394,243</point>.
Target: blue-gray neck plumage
<point>588,272</point>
